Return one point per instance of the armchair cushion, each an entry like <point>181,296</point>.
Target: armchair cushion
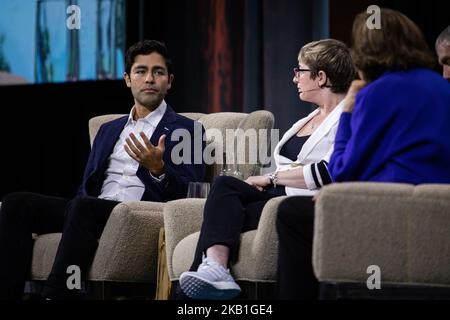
<point>44,252</point>
<point>120,256</point>
<point>96,122</point>
<point>257,120</point>
<point>131,227</point>
<point>232,120</point>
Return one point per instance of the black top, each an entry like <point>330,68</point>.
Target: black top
<point>292,147</point>
<point>290,150</point>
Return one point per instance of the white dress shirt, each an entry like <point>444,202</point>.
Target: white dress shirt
<point>121,182</point>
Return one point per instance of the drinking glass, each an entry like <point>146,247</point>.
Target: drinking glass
<point>198,190</point>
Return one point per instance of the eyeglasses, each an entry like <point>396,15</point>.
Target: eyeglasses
<point>298,71</point>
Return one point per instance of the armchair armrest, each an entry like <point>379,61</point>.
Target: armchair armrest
<point>260,247</point>
<point>401,228</point>
<point>181,218</point>
<point>129,241</point>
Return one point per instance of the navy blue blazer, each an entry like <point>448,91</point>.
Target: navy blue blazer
<point>177,177</point>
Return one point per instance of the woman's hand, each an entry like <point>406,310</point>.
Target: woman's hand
<point>349,100</point>
<point>259,182</point>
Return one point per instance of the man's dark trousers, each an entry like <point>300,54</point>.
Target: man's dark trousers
<point>81,220</point>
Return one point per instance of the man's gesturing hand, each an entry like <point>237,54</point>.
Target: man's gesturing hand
<point>149,156</point>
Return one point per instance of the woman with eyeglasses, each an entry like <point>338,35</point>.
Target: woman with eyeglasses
<point>325,71</point>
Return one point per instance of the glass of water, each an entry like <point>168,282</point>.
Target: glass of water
<point>198,190</point>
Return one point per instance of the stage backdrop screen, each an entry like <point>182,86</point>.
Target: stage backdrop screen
<point>44,41</point>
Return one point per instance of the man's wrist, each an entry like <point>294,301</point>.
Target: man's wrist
<point>159,171</point>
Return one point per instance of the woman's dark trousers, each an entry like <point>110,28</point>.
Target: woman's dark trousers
<point>295,227</point>
<point>233,206</point>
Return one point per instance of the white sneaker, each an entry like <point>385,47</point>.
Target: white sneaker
<point>210,281</point>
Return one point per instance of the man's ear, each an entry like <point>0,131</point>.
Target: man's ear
<point>171,77</point>
<point>126,77</point>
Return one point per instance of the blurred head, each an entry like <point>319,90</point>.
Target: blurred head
<point>397,45</point>
<point>442,47</point>
<point>148,72</point>
<point>324,64</point>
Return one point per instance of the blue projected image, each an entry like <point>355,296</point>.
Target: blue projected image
<point>45,41</point>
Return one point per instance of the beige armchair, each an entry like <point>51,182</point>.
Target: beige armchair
<point>258,250</point>
<point>402,229</point>
<point>256,265</point>
<point>127,252</point>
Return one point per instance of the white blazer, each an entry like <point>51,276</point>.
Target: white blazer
<point>319,146</point>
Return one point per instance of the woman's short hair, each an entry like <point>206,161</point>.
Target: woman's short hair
<point>334,58</point>
<point>397,45</point>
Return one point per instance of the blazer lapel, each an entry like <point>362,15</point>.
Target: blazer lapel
<point>321,131</point>
<point>109,139</point>
<point>164,126</point>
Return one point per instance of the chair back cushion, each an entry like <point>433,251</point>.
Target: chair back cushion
<point>258,120</point>
<point>232,120</point>
<point>96,122</point>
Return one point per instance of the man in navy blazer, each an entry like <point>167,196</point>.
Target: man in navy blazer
<point>131,160</point>
<point>176,177</point>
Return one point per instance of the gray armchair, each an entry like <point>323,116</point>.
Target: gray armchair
<point>128,248</point>
<point>402,229</point>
